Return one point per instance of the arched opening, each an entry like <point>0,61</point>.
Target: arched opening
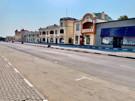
<point>43,39</point>
<point>62,31</point>
<point>70,40</point>
<point>43,32</point>
<point>61,40</point>
<point>88,25</point>
<point>51,32</point>
<point>56,40</point>
<point>51,40</point>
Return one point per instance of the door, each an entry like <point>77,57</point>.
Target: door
<point>47,40</point>
<point>81,40</point>
<point>56,41</point>
<point>117,42</point>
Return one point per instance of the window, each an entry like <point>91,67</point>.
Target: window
<point>51,40</point>
<point>129,41</point>
<point>107,40</point>
<point>90,27</point>
<point>61,31</point>
<point>61,24</point>
<point>77,27</point>
<point>47,32</point>
<point>87,17</point>
<point>51,32</point>
<point>61,40</point>
<point>43,32</point>
<point>56,32</point>
<point>40,33</point>
<point>106,17</point>
<point>70,40</point>
<point>43,39</point>
<point>76,39</point>
<point>87,39</point>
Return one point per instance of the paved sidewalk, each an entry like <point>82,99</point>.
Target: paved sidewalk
<point>122,54</point>
<point>13,86</point>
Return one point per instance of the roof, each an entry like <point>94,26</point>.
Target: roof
<point>118,31</point>
<point>116,21</point>
<point>67,18</point>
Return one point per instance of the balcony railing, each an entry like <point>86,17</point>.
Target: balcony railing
<point>87,30</point>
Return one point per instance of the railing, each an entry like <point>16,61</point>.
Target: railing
<point>87,30</point>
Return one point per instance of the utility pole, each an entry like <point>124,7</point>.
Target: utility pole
<point>66,12</point>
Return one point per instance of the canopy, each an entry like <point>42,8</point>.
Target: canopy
<point>118,32</point>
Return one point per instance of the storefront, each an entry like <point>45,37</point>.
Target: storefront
<point>116,34</point>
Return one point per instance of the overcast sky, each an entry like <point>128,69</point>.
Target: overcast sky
<point>33,14</point>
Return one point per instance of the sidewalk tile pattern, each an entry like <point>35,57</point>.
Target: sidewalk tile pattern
<point>12,85</point>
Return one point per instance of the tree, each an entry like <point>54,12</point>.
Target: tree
<point>124,17</point>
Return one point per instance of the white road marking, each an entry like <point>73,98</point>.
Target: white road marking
<point>28,82</point>
<point>9,63</point>
<point>5,59</point>
<point>45,100</point>
<point>83,77</point>
<point>127,67</point>
<point>16,70</point>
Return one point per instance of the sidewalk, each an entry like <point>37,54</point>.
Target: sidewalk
<point>115,52</point>
<point>13,86</point>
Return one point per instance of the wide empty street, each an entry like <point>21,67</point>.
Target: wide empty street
<point>62,75</point>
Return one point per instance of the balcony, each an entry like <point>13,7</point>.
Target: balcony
<point>87,30</point>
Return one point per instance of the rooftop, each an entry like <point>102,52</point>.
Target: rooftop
<point>67,18</point>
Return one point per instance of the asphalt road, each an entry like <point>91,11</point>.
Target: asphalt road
<point>113,69</point>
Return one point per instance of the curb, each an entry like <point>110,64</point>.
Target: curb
<point>82,51</point>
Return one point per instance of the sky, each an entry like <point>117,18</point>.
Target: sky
<point>33,14</point>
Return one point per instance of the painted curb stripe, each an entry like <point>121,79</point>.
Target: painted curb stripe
<point>28,82</point>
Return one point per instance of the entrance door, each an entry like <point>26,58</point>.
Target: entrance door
<point>82,40</point>
<point>117,42</point>
<point>56,41</point>
<point>47,40</point>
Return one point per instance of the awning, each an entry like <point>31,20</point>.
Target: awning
<point>118,32</point>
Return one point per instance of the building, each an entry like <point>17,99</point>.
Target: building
<point>85,29</point>
<point>31,36</point>
<point>10,38</point>
<point>62,33</point>
<point>50,34</point>
<point>18,34</point>
<point>116,34</point>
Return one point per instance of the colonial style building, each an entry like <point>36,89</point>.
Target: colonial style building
<point>62,33</point>
<point>85,29</point>
<point>31,36</point>
<point>18,34</point>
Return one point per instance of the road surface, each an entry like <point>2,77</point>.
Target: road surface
<point>111,71</point>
